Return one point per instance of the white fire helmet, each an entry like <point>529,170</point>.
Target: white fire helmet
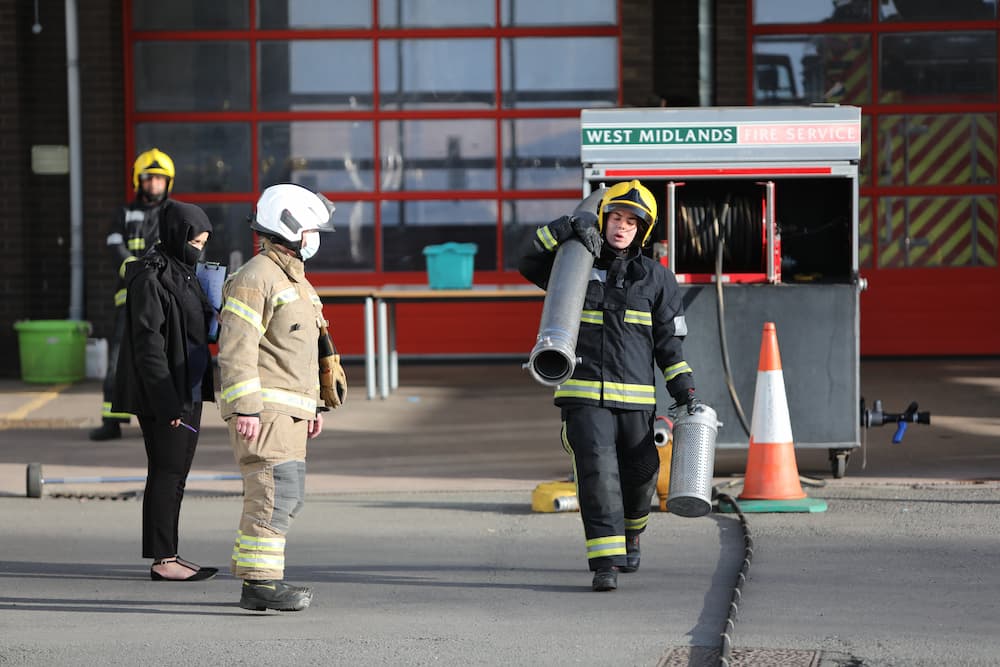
<point>288,209</point>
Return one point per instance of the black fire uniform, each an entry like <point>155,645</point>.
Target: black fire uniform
<point>135,229</point>
<point>632,318</point>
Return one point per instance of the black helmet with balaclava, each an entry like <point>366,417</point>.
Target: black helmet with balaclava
<point>180,223</point>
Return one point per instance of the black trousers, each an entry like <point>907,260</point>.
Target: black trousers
<point>615,461</point>
<point>169,453</point>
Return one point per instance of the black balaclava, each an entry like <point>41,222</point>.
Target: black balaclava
<point>180,222</point>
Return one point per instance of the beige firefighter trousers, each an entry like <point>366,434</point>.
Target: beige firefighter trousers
<point>273,468</point>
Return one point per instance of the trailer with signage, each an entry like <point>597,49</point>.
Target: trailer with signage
<point>759,221</point>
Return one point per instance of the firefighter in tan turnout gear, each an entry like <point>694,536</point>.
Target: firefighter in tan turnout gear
<point>279,372</point>
<point>632,319</point>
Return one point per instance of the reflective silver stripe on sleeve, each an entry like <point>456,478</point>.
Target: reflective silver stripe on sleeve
<point>680,326</point>
<point>114,239</point>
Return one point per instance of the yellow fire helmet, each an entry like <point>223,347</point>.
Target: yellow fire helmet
<point>634,196</point>
<point>153,161</point>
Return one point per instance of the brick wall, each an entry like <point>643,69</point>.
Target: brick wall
<point>35,208</point>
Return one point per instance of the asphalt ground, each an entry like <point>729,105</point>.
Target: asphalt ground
<point>420,544</point>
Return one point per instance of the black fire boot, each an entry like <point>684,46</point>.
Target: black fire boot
<point>274,594</point>
<point>605,579</point>
<point>108,430</point>
<point>631,553</point>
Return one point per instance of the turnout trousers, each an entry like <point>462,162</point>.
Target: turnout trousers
<point>615,465</point>
<point>274,476</point>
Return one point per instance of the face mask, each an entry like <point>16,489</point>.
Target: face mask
<point>307,251</point>
<point>192,255</point>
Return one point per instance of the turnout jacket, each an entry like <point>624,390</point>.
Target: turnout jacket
<point>269,338</point>
<point>134,230</point>
<point>632,318</point>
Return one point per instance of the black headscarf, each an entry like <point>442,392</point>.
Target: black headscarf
<point>180,222</point>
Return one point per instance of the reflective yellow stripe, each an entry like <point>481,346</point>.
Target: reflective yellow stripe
<point>579,389</point>
<point>259,552</point>
<point>120,297</point>
<point>545,236</point>
<point>234,391</point>
<point>670,372</point>
<point>121,269</point>
<point>636,524</point>
<point>639,317</point>
<point>606,546</point>
<point>107,413</point>
<point>592,317</point>
<point>282,397</point>
<point>245,312</point>
<point>644,394</point>
<point>136,244</point>
<point>285,296</point>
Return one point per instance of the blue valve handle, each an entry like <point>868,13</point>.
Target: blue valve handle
<point>900,432</point>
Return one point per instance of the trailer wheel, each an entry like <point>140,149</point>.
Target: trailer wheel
<point>838,462</point>
<point>33,477</point>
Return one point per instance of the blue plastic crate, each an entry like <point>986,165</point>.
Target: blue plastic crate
<point>449,265</point>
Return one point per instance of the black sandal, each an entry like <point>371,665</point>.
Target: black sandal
<point>200,573</point>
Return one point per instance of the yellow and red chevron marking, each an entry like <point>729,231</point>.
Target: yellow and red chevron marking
<point>940,229</point>
<point>891,232</point>
<point>938,149</point>
<point>865,247</point>
<point>892,150</point>
<point>986,231</point>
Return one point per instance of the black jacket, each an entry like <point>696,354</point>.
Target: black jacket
<point>632,318</point>
<point>167,317</point>
<point>134,231</point>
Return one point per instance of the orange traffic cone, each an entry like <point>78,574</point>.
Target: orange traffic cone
<point>772,477</point>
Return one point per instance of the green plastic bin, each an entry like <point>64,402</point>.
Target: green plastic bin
<point>52,350</point>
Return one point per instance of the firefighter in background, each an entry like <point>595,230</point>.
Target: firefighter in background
<point>136,228</point>
<point>279,371</point>
<point>632,319</point>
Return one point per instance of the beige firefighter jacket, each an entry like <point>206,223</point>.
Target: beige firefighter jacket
<point>268,341</point>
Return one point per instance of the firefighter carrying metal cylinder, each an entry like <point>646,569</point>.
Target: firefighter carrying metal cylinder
<point>280,372</point>
<point>632,317</point>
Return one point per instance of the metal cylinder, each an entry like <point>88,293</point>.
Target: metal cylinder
<point>693,462</point>
<point>553,358</point>
<point>566,504</point>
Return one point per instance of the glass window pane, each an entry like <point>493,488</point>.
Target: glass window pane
<point>811,11</point>
<point>436,73</point>
<point>921,10</point>
<point>231,242</point>
<point>521,217</point>
<point>937,149</point>
<point>192,76</point>
<point>352,246</point>
<point>578,72</point>
<point>409,226</point>
<point>805,69</point>
<point>865,166</point>
<point>938,67</point>
<point>208,157</point>
<point>297,76</point>
<point>937,231</point>
<point>313,14</point>
<point>435,14</point>
<point>541,153</point>
<point>579,12</point>
<point>190,15</point>
<point>336,156</point>
<point>438,154</point>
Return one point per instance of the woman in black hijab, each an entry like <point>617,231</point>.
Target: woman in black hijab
<point>164,375</point>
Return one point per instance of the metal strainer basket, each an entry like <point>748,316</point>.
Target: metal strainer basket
<point>693,463</point>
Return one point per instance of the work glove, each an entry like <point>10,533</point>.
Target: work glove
<point>332,379</point>
<point>583,230</point>
<point>688,401</point>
